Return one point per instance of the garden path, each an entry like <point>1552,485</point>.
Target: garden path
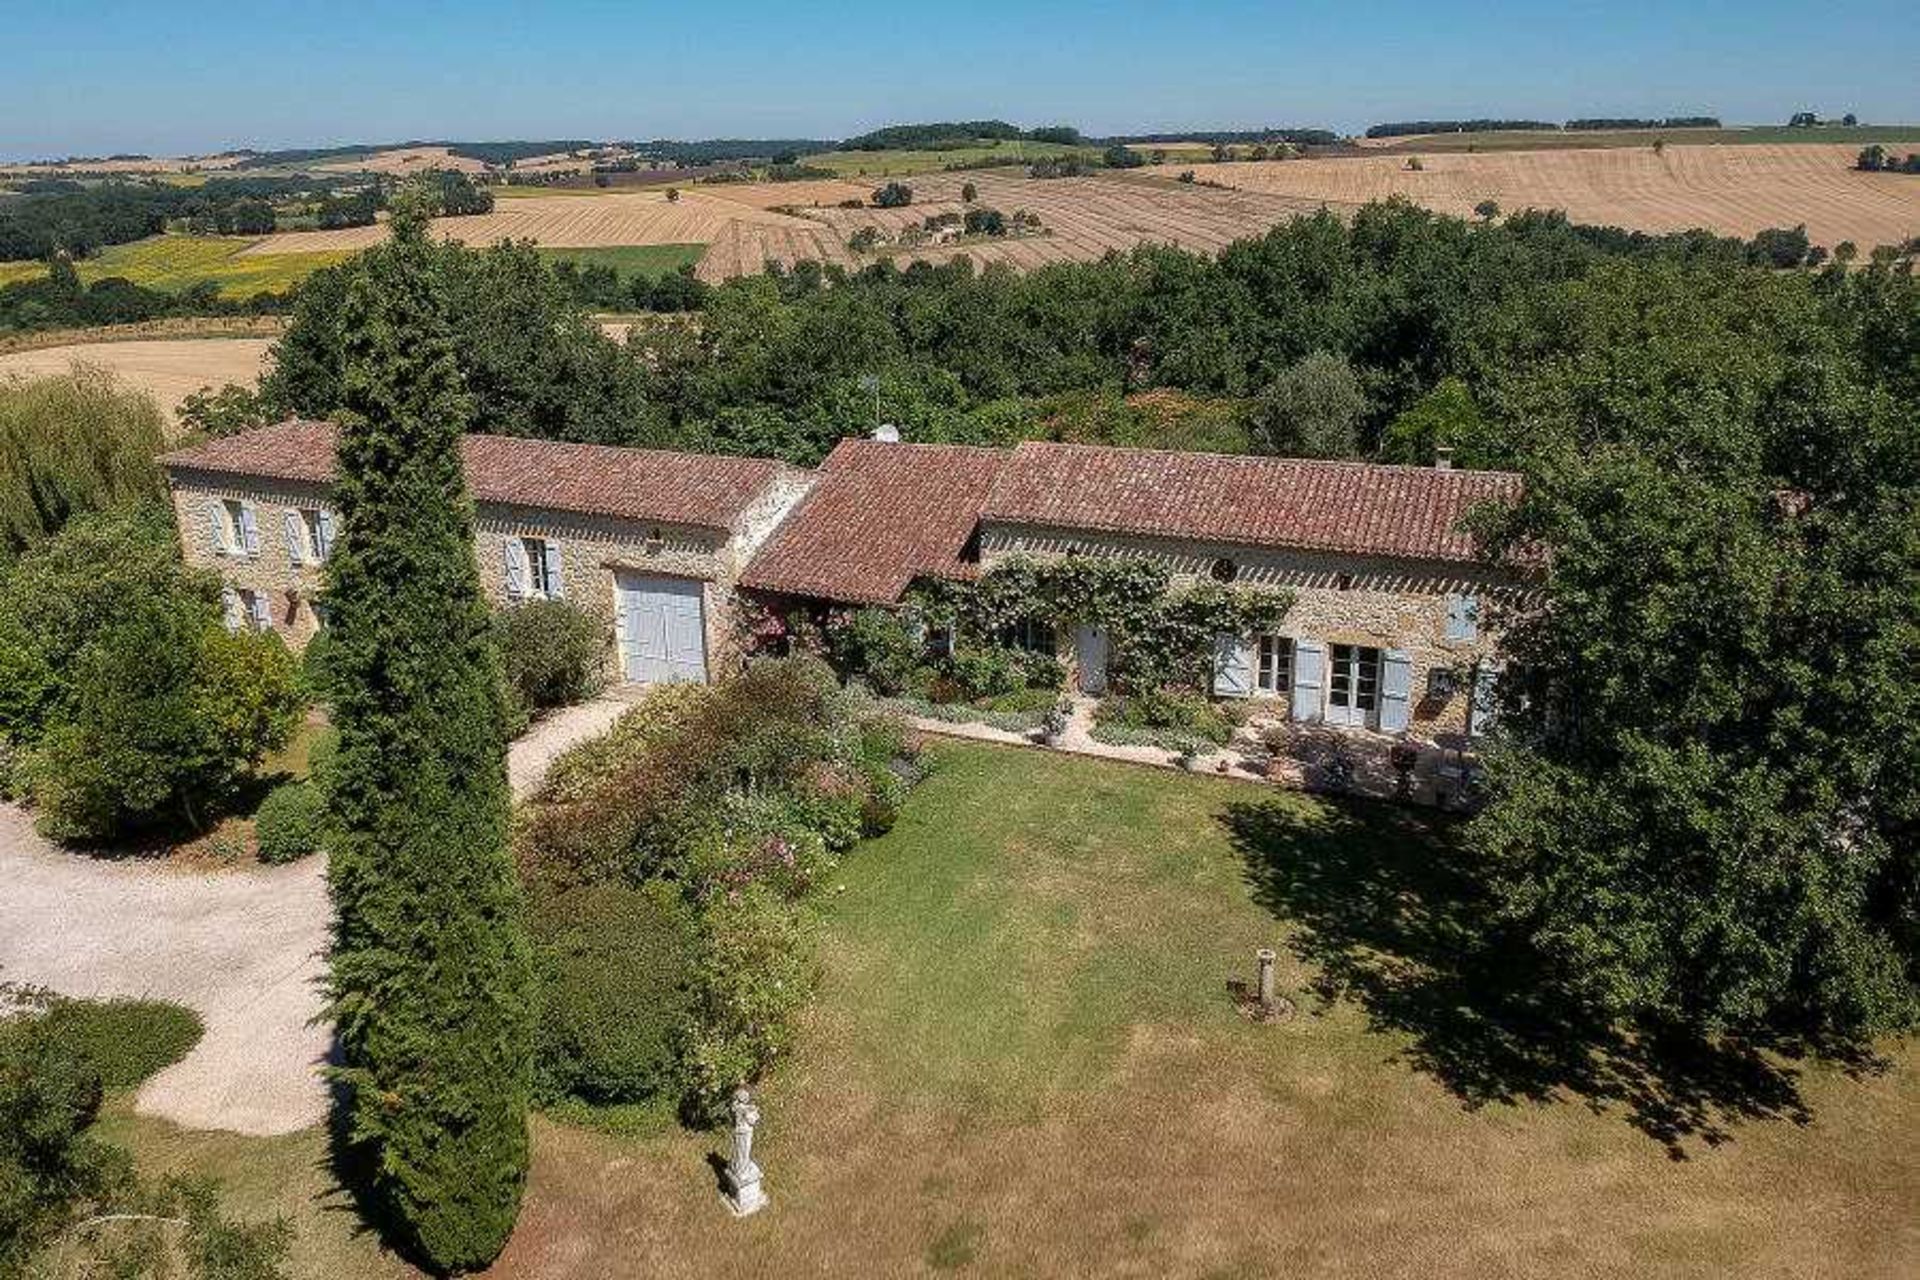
<point>244,948</point>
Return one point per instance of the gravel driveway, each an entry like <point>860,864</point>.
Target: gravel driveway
<point>245,948</point>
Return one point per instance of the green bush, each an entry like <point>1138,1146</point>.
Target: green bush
<point>134,706</point>
<point>754,974</point>
<point>122,1041</point>
<point>48,1098</point>
<point>1176,720</point>
<point>615,967</point>
<point>290,822</point>
<point>876,646</point>
<point>551,652</point>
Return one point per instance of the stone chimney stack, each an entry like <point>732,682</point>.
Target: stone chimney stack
<point>1443,458</point>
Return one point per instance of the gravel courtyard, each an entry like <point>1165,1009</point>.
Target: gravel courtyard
<point>243,948</point>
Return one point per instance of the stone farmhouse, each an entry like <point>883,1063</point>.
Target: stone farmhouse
<point>1386,633</point>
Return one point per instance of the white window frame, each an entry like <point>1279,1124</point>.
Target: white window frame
<point>1273,665</point>
<point>315,550</point>
<point>539,585</point>
<point>1349,664</point>
<point>233,541</point>
<point>253,604</point>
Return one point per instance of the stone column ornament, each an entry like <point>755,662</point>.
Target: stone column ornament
<point>1266,958</point>
<point>744,1194</point>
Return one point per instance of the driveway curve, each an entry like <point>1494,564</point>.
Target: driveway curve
<point>246,949</point>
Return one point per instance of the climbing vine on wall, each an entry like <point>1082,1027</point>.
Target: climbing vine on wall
<point>1159,635</point>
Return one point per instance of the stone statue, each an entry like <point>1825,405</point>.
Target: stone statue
<point>744,1194</point>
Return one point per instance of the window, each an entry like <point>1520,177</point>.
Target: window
<point>1353,688</point>
<point>1463,617</point>
<point>1274,672</point>
<point>319,530</point>
<point>235,532</point>
<point>246,609</point>
<point>533,569</point>
<point>1035,635</point>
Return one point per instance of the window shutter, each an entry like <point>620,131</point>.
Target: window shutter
<point>515,552</point>
<point>249,530</point>
<point>1396,691</point>
<point>1232,666</point>
<point>325,548</point>
<point>296,536</point>
<point>1463,617</point>
<point>1309,681</point>
<point>262,615</point>
<point>230,608</point>
<point>1484,711</point>
<point>550,552</point>
<point>217,527</point>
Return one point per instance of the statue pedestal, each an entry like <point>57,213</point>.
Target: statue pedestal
<point>744,1194</point>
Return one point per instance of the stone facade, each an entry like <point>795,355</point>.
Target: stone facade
<point>592,551</point>
<point>1375,602</point>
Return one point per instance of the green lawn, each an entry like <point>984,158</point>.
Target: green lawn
<point>647,260</point>
<point>1024,1060</point>
<point>175,262</point>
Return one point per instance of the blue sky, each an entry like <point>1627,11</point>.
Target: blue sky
<point>86,77</point>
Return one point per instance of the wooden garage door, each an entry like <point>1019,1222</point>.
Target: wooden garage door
<point>662,627</point>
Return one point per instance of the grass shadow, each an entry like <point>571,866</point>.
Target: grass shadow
<point>1381,904</point>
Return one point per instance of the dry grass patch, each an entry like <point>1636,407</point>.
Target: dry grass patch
<point>169,369</point>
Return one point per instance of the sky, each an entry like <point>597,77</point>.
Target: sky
<point>86,77</point>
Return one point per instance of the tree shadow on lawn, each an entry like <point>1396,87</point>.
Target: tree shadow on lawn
<point>1382,904</point>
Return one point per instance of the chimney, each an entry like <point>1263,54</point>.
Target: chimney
<point>887,433</point>
<point>1443,457</point>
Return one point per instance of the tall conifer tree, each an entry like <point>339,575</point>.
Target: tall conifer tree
<point>431,978</point>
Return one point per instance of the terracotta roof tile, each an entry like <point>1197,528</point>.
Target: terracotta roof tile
<point>1351,507</point>
<point>694,489</point>
<point>879,516</point>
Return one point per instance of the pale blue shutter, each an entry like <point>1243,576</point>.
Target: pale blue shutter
<point>1484,710</point>
<point>249,530</point>
<point>217,527</point>
<point>296,536</point>
<point>515,553</point>
<point>1463,617</point>
<point>1396,691</point>
<point>550,552</point>
<point>262,615</point>
<point>1309,680</point>
<point>230,608</point>
<point>325,548</point>
<point>1232,666</point>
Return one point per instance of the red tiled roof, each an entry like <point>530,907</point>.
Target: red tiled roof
<point>699,490</point>
<point>879,516</point>
<point>1355,508</point>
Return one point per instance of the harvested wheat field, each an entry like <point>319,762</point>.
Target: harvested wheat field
<point>1083,217</point>
<point>575,222</point>
<point>1734,190</point>
<point>770,195</point>
<point>405,160</point>
<point>168,369</point>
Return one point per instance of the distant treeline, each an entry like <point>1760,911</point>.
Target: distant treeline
<point>946,135</point>
<point>1235,137</point>
<point>57,300</point>
<point>1630,122</point>
<point>493,153</point>
<point>722,150</point>
<point>1402,128</point>
<point>51,215</point>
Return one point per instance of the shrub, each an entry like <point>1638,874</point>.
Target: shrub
<point>73,444</point>
<point>875,645</point>
<point>1176,720</point>
<point>615,968</point>
<point>551,652</point>
<point>895,195</point>
<point>122,1041</point>
<point>754,974</point>
<point>985,673</point>
<point>289,822</point>
<point>48,1098</point>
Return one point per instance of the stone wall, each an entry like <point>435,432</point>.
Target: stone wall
<point>592,549</point>
<point>1374,601</point>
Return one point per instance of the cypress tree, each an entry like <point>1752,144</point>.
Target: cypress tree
<point>431,977</point>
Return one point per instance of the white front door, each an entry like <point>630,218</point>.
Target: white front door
<point>662,627</point>
<point>1353,685</point>
<point>1090,652</point>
